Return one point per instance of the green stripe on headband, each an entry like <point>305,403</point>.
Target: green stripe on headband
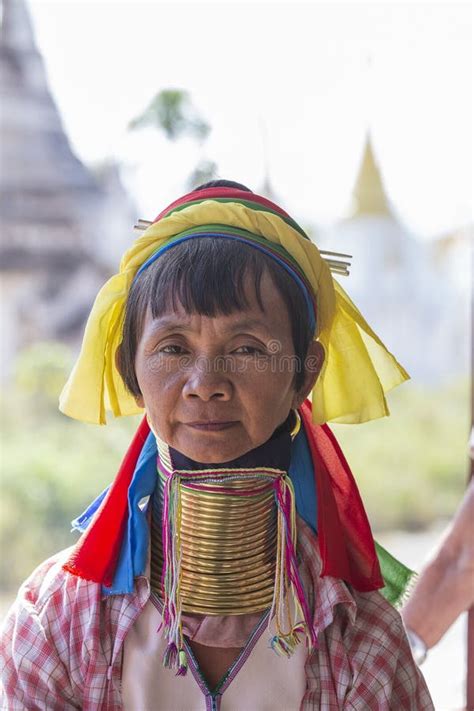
<point>248,203</point>
<point>270,246</point>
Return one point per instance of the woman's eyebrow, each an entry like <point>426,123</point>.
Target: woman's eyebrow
<point>164,324</point>
<point>171,323</point>
<point>248,324</point>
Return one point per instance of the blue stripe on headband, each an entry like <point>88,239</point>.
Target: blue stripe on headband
<point>256,245</point>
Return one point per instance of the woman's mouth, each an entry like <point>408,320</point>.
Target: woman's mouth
<point>212,426</point>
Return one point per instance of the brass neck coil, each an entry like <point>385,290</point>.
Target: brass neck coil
<point>227,540</point>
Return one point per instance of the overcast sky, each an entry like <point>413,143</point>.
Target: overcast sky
<point>312,77</point>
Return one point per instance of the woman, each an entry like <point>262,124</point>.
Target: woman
<point>230,564</point>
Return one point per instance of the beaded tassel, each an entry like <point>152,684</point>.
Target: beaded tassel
<point>287,578</point>
<point>174,656</point>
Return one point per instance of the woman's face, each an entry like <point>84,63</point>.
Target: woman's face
<point>215,388</point>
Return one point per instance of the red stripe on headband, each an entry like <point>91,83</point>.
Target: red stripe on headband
<point>222,193</point>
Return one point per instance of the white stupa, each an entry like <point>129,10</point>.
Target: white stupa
<point>392,278</point>
<point>62,228</point>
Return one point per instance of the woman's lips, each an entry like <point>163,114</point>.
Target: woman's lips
<point>211,426</point>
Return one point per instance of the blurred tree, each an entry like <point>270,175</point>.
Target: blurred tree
<point>41,371</point>
<point>172,112</point>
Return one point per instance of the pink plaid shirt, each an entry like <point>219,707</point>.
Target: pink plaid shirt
<point>62,644</point>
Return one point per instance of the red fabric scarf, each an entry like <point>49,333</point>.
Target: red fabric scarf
<point>345,539</point>
<point>210,193</point>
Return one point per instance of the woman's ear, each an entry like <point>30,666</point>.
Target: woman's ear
<point>140,401</point>
<point>313,363</point>
<point>118,364</point>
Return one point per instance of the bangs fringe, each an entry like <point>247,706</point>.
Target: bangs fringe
<point>205,277</point>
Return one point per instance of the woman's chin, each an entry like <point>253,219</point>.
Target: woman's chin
<point>211,447</point>
<point>209,452</point>
<point>209,455</point>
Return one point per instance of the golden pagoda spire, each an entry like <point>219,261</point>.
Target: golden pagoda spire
<point>369,196</point>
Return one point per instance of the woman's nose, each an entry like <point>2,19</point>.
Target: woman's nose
<point>207,380</point>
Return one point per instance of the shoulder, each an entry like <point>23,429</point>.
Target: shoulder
<point>49,584</point>
<point>376,636</point>
<point>48,639</point>
<point>384,672</point>
<point>376,617</point>
<point>60,609</point>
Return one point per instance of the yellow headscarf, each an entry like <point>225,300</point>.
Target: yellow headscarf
<point>358,369</point>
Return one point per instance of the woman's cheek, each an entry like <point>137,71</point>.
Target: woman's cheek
<point>271,371</point>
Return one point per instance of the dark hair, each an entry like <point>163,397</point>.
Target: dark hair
<point>223,184</point>
<point>206,276</point>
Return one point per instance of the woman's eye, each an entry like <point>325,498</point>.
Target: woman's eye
<point>248,350</point>
<point>171,349</point>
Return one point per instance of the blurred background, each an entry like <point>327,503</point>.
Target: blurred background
<point>356,117</point>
